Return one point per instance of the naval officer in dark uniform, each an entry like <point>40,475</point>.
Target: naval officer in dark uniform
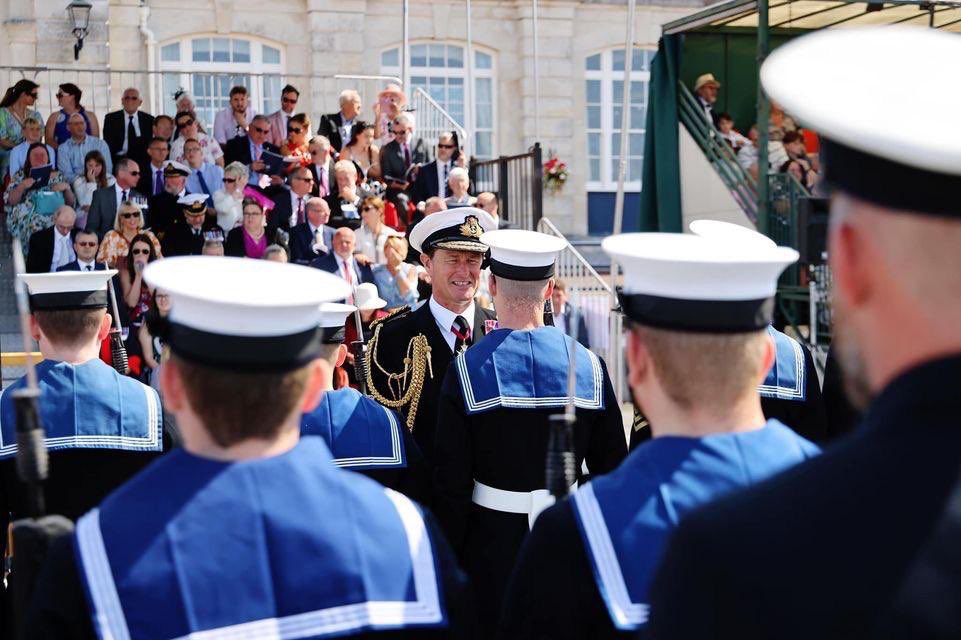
<point>696,354</point>
<point>821,550</point>
<point>493,418</point>
<point>791,391</point>
<point>411,351</point>
<point>248,530</point>
<point>362,435</point>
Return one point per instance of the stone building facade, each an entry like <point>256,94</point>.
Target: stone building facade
<point>159,45</point>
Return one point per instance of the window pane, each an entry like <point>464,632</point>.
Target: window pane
<point>171,82</point>
<point>593,117</point>
<point>271,55</point>
<point>638,92</point>
<point>483,147</point>
<point>483,61</point>
<point>436,54</point>
<point>482,87</point>
<point>617,59</point>
<point>170,52</point>
<point>636,144</point>
<point>593,63</point>
<point>594,91</point>
<point>634,172</point>
<point>593,144</point>
<point>455,57</point>
<point>390,58</point>
<point>615,145</point>
<point>616,117</point>
<point>418,55</point>
<point>640,60</point>
<point>221,50</point>
<point>595,170</point>
<point>242,50</point>
<point>419,81</point>
<point>638,117</point>
<point>618,91</point>
<point>201,49</point>
<point>271,94</point>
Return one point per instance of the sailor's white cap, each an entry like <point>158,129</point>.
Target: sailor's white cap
<point>237,313</point>
<point>888,120</point>
<point>457,229</point>
<point>729,232</point>
<point>518,254</point>
<point>333,317</point>
<point>67,289</point>
<point>687,282</point>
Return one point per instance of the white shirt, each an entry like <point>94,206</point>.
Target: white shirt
<point>317,233</point>
<point>443,172</point>
<point>62,250</point>
<point>372,245</point>
<point>345,131</point>
<point>444,318</point>
<point>119,193</point>
<point>87,266</point>
<point>136,128</point>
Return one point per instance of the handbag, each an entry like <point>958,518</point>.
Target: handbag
<point>47,202</point>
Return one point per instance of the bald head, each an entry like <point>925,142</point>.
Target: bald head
<point>77,127</point>
<point>318,211</point>
<point>344,242</point>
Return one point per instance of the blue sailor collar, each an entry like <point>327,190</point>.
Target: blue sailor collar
<point>527,370</point>
<point>360,433</point>
<point>330,554</point>
<point>88,406</point>
<point>787,378</point>
<point>626,517</point>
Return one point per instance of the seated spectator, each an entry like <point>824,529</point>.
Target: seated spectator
<point>136,294</point>
<point>373,233</point>
<point>106,201</point>
<point>400,156</point>
<point>183,101</point>
<point>342,262</point>
<point>489,203</point>
<point>152,172</point>
<point>32,132</point>
<point>201,225</point>
<point>236,117</point>
<point>128,224</point>
<point>336,127</point>
<point>296,145</point>
<point>290,203</point>
<point>275,253</point>
<point>397,279</point>
<point>128,130</point>
<point>321,166</point>
<point>205,178</point>
<point>58,129</point>
<point>188,128</point>
<point>164,209</point>
<point>345,202</point>
<point>361,149</point>
<point>164,127</point>
<point>51,248</point>
<point>16,107</point>
<point>30,207</point>
<point>564,314</point>
<point>779,124</point>
<point>85,245</point>
<point>228,202</point>
<point>747,155</point>
<point>95,176</point>
<point>213,248</point>
<point>432,177</point>
<point>459,183</point>
<point>805,176</point>
<point>794,146</point>
<point>389,106</point>
<point>73,150</point>
<point>705,92</point>
<point>725,124</point>
<point>153,335</point>
<point>247,150</point>
<point>252,238</point>
<point>289,96</point>
<point>313,237</point>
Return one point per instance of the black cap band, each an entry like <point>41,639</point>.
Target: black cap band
<point>245,353</point>
<point>332,335</point>
<point>66,300</point>
<point>527,274</point>
<point>890,184</point>
<point>698,316</point>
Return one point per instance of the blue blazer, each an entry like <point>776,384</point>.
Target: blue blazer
<point>302,242</point>
<point>328,263</point>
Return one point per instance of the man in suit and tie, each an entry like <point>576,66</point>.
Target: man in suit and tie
<point>397,156</point>
<point>336,126</point>
<point>128,131</point>
<point>565,315</point>
<point>313,237</point>
<point>106,200</point>
<point>152,170</point>
<point>705,92</point>
<point>289,96</point>
<point>345,199</point>
<point>52,247</point>
<point>432,177</point>
<point>247,150</point>
<point>321,166</point>
<point>85,245</point>
<point>290,203</point>
<point>205,177</point>
<point>341,261</point>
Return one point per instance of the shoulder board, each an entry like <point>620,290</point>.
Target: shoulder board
<point>393,315</point>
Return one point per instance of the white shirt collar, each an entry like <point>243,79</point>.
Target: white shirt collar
<point>60,236</point>
<point>444,318</point>
<point>83,265</point>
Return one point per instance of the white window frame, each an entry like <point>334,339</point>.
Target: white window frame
<point>256,69</point>
<point>454,72</point>
<point>607,76</point>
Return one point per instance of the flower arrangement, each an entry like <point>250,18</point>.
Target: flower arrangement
<point>555,174</point>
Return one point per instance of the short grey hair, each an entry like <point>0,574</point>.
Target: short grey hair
<point>237,170</point>
<point>274,249</point>
<point>259,116</point>
<point>458,172</point>
<point>348,95</point>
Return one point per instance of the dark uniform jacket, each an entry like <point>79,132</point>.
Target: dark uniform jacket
<point>806,417</point>
<point>163,212</point>
<point>182,241</point>
<point>391,349</point>
<point>820,551</point>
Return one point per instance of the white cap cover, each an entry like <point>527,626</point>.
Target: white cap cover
<point>246,314</point>
<point>690,283</point>
<point>729,232</point>
<point>67,289</point>
<point>333,317</point>
<point>517,254</point>
<point>457,229</point>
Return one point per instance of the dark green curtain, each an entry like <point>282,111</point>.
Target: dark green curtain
<point>661,186</point>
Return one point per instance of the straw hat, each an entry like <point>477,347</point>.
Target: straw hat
<point>706,79</point>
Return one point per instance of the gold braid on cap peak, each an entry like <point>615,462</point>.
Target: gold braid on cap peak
<point>416,362</point>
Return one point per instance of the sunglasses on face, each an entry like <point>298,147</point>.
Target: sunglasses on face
<point>185,123</point>
<point>230,180</point>
<point>130,98</point>
<point>400,132</point>
<point>33,95</point>
<point>134,173</point>
<point>141,252</point>
<point>60,94</point>
<point>445,146</point>
<point>369,208</point>
<point>261,130</point>
<point>289,100</point>
<point>293,130</point>
<point>307,179</point>
<point>86,243</point>
<point>127,216</point>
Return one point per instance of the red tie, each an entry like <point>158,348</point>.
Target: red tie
<point>461,331</point>
<point>347,273</point>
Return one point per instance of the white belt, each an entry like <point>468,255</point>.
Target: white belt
<point>530,503</point>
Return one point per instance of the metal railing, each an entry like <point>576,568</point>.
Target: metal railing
<point>594,298</point>
<point>518,183</point>
<point>431,120</point>
<point>741,184</point>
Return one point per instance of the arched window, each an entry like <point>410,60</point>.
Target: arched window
<point>604,92</point>
<point>209,65</point>
<point>440,70</point>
